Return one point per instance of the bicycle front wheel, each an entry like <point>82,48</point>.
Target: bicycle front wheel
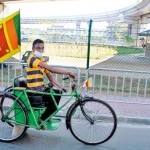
<point>93,121</point>
<point>12,118</point>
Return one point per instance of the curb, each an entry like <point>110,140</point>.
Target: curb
<point>121,119</point>
<point>134,120</point>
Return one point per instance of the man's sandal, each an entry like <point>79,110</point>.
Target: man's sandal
<point>43,126</point>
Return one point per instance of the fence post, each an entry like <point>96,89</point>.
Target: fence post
<point>89,43</point>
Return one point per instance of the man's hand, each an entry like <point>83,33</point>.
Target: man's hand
<point>64,90</point>
<point>72,75</point>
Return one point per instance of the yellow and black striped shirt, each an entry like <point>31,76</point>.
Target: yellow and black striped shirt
<point>35,80</point>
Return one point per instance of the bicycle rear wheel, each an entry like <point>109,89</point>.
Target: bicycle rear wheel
<point>12,115</point>
<point>95,124</point>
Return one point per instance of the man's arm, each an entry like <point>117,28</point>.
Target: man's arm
<point>52,79</point>
<point>56,70</point>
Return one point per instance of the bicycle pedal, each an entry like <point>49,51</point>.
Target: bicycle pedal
<point>53,124</point>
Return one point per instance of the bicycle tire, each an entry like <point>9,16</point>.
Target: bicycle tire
<point>103,117</point>
<point>7,122</point>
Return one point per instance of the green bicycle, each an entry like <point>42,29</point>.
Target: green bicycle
<point>91,121</point>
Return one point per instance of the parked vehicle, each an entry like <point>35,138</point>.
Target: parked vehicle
<point>3,65</point>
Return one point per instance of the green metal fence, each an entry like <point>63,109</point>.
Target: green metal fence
<point>86,44</point>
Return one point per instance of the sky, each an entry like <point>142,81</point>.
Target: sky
<point>69,8</point>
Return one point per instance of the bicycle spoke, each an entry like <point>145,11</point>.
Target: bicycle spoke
<point>100,130</point>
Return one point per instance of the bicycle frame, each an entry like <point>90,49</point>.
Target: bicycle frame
<point>34,113</point>
<point>16,109</point>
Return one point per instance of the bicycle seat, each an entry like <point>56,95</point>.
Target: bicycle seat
<point>20,82</point>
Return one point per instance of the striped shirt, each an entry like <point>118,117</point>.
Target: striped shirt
<point>35,79</point>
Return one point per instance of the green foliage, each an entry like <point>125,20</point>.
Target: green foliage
<point>129,39</point>
<point>127,50</point>
<point>118,35</point>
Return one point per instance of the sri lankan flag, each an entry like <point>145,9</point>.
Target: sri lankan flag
<point>10,36</point>
<point>88,82</point>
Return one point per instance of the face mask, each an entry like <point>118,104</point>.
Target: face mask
<point>38,54</point>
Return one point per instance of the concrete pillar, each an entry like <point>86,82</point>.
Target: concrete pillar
<point>129,29</point>
<point>2,6</point>
<point>135,29</point>
<point>78,23</point>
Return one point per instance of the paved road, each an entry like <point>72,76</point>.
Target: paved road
<point>127,137</point>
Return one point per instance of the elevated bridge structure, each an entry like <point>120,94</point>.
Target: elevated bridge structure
<point>139,12</point>
<point>134,15</point>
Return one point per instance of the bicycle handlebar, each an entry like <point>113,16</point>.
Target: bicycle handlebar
<point>73,86</point>
<point>74,82</point>
<point>68,78</point>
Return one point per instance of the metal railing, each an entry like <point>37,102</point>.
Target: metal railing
<point>127,91</point>
<point>130,86</point>
<point>10,70</point>
<point>110,84</point>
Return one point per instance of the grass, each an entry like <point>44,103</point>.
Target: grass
<point>80,50</point>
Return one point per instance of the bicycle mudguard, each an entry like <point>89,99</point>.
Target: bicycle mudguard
<point>68,114</point>
<point>2,96</point>
<point>71,107</point>
<point>69,110</point>
<point>88,97</point>
<point>14,97</point>
<point>8,89</point>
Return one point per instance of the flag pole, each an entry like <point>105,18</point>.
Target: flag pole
<point>89,44</point>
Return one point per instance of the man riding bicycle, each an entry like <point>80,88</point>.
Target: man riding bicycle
<point>36,68</point>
